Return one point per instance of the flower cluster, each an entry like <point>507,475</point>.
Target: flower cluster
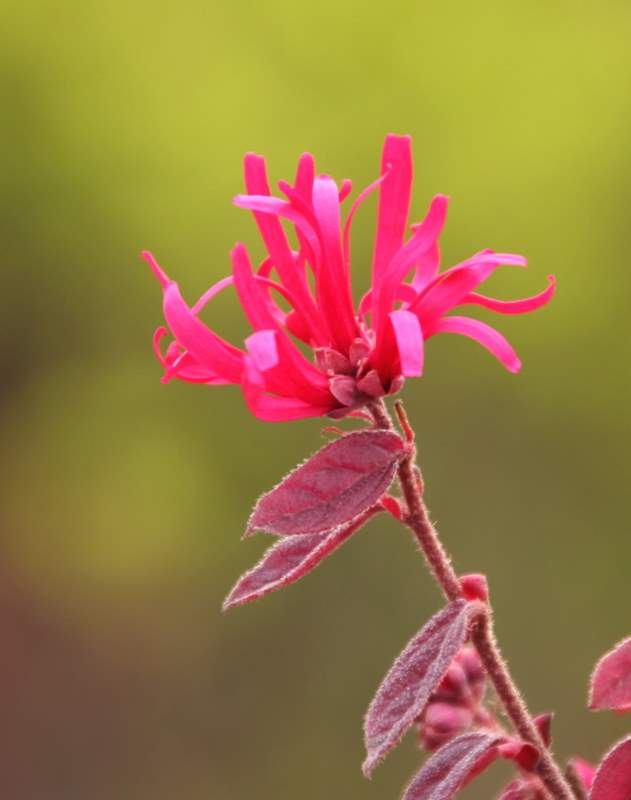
<point>456,705</point>
<point>358,353</point>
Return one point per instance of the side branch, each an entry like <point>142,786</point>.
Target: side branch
<point>482,635</point>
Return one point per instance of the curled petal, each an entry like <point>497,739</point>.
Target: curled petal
<point>449,289</point>
<point>423,239</point>
<point>409,338</point>
<point>275,409</point>
<point>263,349</point>
<point>346,188</point>
<point>427,267</point>
<point>208,349</point>
<point>513,306</point>
<point>292,375</point>
<point>210,293</point>
<point>480,332</point>
<point>281,208</point>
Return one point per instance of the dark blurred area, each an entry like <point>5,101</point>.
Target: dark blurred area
<point>123,501</point>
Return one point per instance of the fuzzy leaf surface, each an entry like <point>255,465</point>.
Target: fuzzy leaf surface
<point>613,778</point>
<point>611,682</point>
<point>339,482</point>
<point>450,768</point>
<point>290,559</point>
<point>413,677</point>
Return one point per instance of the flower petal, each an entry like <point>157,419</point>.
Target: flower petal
<point>208,349</point>
<point>281,208</point>
<point>423,239</point>
<point>409,339</point>
<point>513,306</point>
<point>332,277</point>
<point>276,241</point>
<point>480,332</point>
<point>263,350</point>
<point>293,375</point>
<point>394,201</point>
<point>449,289</point>
<point>274,409</point>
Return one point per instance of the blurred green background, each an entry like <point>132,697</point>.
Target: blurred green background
<point>122,501</point>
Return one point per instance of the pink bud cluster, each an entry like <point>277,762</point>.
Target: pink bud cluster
<point>456,705</point>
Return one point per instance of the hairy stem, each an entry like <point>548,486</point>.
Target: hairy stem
<point>482,635</point>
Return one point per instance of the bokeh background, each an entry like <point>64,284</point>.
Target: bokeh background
<point>122,501</point>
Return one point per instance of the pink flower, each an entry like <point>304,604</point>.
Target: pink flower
<point>358,353</point>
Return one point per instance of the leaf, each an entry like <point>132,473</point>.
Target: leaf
<point>339,482</point>
<point>611,682</point>
<point>450,768</point>
<point>613,778</point>
<point>413,677</point>
<point>289,559</point>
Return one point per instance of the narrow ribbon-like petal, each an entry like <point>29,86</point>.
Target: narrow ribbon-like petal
<point>513,306</point>
<point>333,280</point>
<point>394,201</point>
<point>275,409</point>
<point>449,289</point>
<point>263,349</point>
<point>422,240</point>
<point>273,235</point>
<point>281,208</point>
<point>480,332</point>
<point>208,349</point>
<point>293,375</point>
<point>409,339</point>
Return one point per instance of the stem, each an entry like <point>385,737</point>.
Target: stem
<point>482,635</point>
<point>574,779</point>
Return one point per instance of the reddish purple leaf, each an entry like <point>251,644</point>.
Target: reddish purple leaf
<point>450,768</point>
<point>611,682</point>
<point>543,723</point>
<point>413,677</point>
<point>289,559</point>
<point>334,486</point>
<point>613,778</point>
<point>524,754</point>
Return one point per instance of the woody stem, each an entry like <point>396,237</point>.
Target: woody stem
<point>482,634</point>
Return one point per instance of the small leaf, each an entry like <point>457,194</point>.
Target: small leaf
<point>613,777</point>
<point>288,560</point>
<point>611,682</point>
<point>413,677</point>
<point>339,482</point>
<point>450,768</point>
<point>525,754</point>
<point>543,723</point>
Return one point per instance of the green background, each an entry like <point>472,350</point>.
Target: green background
<point>123,501</point>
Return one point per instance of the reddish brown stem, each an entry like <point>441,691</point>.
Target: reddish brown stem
<point>574,779</point>
<point>482,635</point>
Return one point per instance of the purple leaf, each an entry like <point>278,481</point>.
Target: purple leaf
<point>450,768</point>
<point>611,682</point>
<point>339,482</point>
<point>613,778</point>
<point>289,559</point>
<point>413,677</point>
